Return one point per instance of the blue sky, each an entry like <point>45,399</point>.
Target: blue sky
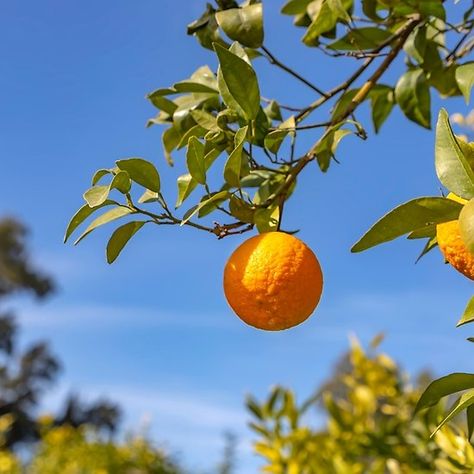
<point>153,331</point>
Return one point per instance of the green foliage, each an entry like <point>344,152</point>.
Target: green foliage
<point>205,114</point>
<point>67,450</point>
<point>455,170</point>
<point>370,425</point>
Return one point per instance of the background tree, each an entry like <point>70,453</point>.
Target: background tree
<point>25,375</point>
<point>369,426</point>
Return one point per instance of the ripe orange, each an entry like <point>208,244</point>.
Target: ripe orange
<point>452,245</point>
<point>273,281</point>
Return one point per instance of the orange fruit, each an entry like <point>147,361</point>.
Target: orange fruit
<point>273,281</point>
<point>452,245</point>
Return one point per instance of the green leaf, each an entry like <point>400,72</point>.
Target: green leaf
<point>120,237</point>
<point>149,196</point>
<point>170,139</point>
<point>205,119</point>
<point>186,185</point>
<point>122,182</point>
<point>361,39</point>
<point>430,245</point>
<point>408,217</point>
<point>326,147</point>
<point>443,387</point>
<point>244,24</point>
<point>233,166</point>
<point>452,167</point>
<point>81,215</point>
<point>142,172</point>
<point>324,20</point>
<point>415,45</point>
<point>468,315</point>
<point>295,7</point>
<point>194,87</point>
<point>428,231</point>
<point>470,421</point>
<point>241,210</point>
<point>195,160</point>
<point>465,79</point>
<point>267,220</point>
<point>99,174</point>
<point>96,195</point>
<point>217,197</point>
<point>275,138</point>
<point>196,131</point>
<point>105,218</point>
<point>413,96</point>
<point>369,7</point>
<point>466,225</point>
<point>240,82</point>
<point>464,401</point>
<point>382,102</point>
<point>273,111</point>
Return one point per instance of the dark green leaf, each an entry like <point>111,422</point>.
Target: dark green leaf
<point>468,315</point>
<point>240,82</point>
<point>415,45</point>
<point>241,210</point>
<point>443,387</point>
<point>413,96</point>
<point>142,172</point>
<point>452,167</point>
<point>120,237</point>
<point>244,24</point>
<point>122,182</point>
<point>408,217</point>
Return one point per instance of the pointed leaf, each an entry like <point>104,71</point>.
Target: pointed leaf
<point>413,96</point>
<point>240,82</point>
<point>220,196</point>
<point>452,167</point>
<point>120,237</point>
<point>142,172</point>
<point>105,218</point>
<point>195,160</point>
<point>233,166</point>
<point>465,79</point>
<point>408,217</point>
<point>122,182</point>
<point>443,387</point>
<point>468,316</point>
<point>465,400</point>
<point>81,215</point>
<point>96,195</point>
<point>244,24</point>
<point>466,225</point>
<point>361,39</point>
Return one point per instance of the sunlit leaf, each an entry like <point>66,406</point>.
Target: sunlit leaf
<point>120,237</point>
<point>408,217</point>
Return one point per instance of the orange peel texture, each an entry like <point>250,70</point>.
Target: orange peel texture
<point>273,281</point>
